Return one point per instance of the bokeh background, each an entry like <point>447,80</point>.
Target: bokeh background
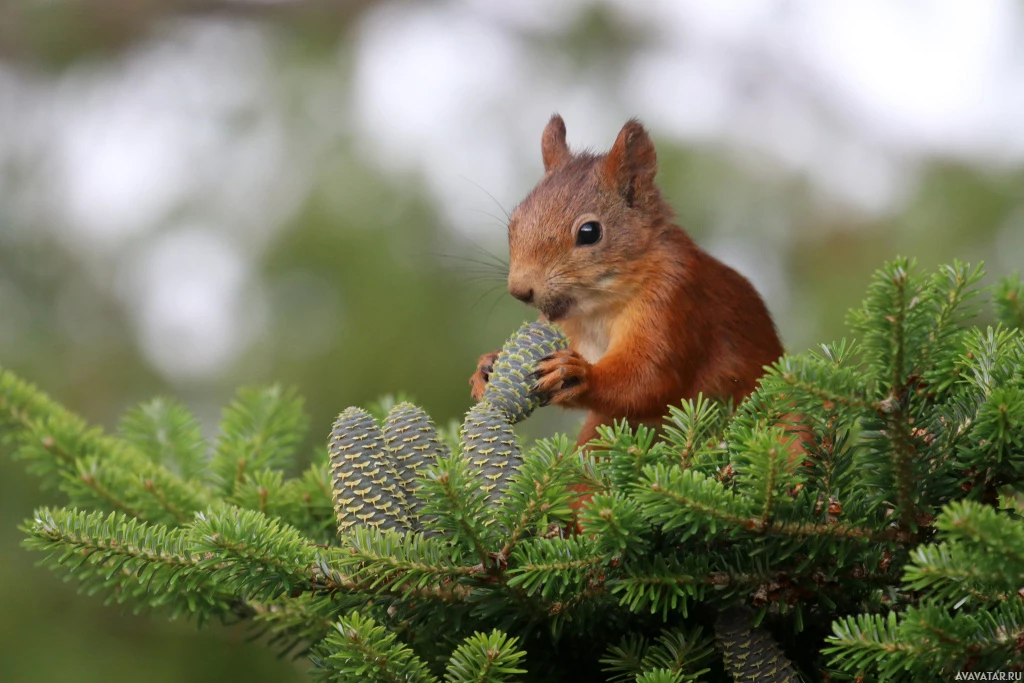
<point>199,194</point>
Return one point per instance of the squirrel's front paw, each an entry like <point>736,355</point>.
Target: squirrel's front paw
<point>484,368</point>
<point>564,377</point>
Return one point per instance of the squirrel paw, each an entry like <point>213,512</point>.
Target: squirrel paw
<point>564,376</point>
<point>484,368</point>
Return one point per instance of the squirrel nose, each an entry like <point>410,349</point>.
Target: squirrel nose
<point>524,294</point>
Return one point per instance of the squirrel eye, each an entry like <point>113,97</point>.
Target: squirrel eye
<point>589,233</point>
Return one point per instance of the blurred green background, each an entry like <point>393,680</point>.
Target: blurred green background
<point>199,194</point>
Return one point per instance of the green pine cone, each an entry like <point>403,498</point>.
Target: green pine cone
<point>490,445</point>
<point>750,653</point>
<point>413,444</point>
<point>509,387</point>
<point>365,486</point>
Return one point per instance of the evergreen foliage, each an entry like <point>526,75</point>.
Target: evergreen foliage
<point>859,517</point>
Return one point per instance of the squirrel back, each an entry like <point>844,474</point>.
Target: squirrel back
<point>651,318</point>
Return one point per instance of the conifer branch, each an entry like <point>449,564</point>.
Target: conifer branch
<point>254,555</point>
<point>538,495</point>
<point>328,579</point>
<point>675,652</point>
<point>485,658</point>
<point>91,468</point>
<point>664,584</point>
<point>683,499</point>
<point>893,407</point>
<point>149,565</point>
<point>456,504</point>
<point>923,419</point>
<point>397,563</point>
<point>950,577</point>
<point>358,649</point>
<point>824,395</point>
<point>996,534</point>
<point>625,660</point>
<point>837,530</point>
<point>982,556</point>
<point>903,453</point>
<point>89,476</point>
<point>555,568</point>
<point>660,676</point>
<point>259,430</point>
<point>928,639</point>
<point>168,434</point>
<point>948,292</point>
<point>898,318</point>
<point>619,523</point>
<point>692,426</point>
<point>829,378</point>
<point>628,452</point>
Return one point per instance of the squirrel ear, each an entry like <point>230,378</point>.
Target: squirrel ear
<point>631,163</point>
<point>552,144</point>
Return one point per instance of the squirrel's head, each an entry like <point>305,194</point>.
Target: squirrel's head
<point>578,240</point>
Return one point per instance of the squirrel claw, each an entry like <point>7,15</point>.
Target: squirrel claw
<point>478,380</point>
<point>563,377</point>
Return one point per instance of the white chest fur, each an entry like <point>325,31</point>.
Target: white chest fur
<point>590,338</point>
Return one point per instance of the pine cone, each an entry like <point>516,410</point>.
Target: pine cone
<point>510,384</point>
<point>413,445</point>
<point>366,486</point>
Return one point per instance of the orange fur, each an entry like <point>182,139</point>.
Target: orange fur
<point>651,318</point>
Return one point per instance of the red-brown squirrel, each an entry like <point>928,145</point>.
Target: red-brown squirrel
<point>651,318</point>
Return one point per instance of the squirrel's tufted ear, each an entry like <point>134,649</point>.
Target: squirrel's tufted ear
<point>552,144</point>
<point>631,163</point>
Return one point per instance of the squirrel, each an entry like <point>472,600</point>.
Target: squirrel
<point>651,318</point>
